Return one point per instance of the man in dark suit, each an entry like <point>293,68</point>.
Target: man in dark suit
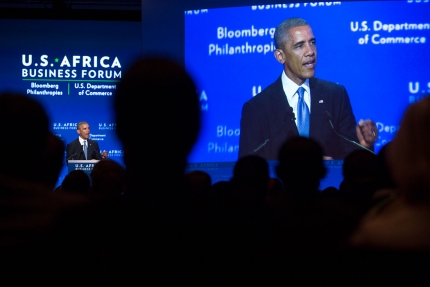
<point>279,113</point>
<point>83,148</point>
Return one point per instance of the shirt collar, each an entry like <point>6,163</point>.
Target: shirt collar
<point>81,140</point>
<point>290,88</point>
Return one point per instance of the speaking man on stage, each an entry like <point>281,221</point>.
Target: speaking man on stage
<point>297,103</point>
<point>83,148</point>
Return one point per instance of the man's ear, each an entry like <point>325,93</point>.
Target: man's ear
<point>279,55</point>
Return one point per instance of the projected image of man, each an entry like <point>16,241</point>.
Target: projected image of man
<point>297,103</point>
<point>83,148</point>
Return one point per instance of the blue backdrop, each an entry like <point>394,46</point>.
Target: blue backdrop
<point>72,68</point>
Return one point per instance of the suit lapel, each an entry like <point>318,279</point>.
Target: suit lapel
<point>281,108</point>
<point>279,102</point>
<point>90,149</point>
<point>79,148</point>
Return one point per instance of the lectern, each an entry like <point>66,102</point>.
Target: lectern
<point>84,165</point>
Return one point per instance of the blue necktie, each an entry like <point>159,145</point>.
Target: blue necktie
<point>85,149</point>
<point>302,114</point>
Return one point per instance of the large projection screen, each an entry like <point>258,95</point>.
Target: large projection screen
<point>376,49</point>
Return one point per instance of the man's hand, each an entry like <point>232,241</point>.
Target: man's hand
<point>104,154</point>
<point>367,133</point>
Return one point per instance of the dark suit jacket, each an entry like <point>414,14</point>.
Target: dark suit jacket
<point>76,152</point>
<point>268,116</point>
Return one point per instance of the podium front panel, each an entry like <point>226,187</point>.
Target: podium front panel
<point>84,165</point>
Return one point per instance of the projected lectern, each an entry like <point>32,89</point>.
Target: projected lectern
<point>84,165</point>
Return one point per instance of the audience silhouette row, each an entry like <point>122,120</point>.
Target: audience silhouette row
<point>152,222</point>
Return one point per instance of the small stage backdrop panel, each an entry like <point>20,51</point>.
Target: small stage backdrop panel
<point>73,68</point>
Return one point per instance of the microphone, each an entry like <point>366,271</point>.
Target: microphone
<point>71,156</point>
<point>292,118</point>
<point>327,117</point>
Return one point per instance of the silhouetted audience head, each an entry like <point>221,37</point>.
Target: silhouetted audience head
<point>107,178</point>
<point>221,189</point>
<point>251,177</point>
<point>359,172</point>
<point>157,121</point>
<point>52,160</point>
<point>275,187</point>
<point>77,181</point>
<point>409,152</point>
<point>330,191</point>
<point>385,186</point>
<point>22,120</point>
<point>401,220</point>
<point>384,179</point>
<point>157,116</point>
<point>301,165</point>
<point>198,181</point>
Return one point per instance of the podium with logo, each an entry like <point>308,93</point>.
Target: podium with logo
<point>84,165</point>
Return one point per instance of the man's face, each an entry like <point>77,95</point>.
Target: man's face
<point>299,54</point>
<point>84,131</point>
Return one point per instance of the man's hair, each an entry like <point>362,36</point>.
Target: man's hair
<point>157,96</point>
<point>27,125</point>
<point>80,124</point>
<point>282,31</point>
<point>301,164</point>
